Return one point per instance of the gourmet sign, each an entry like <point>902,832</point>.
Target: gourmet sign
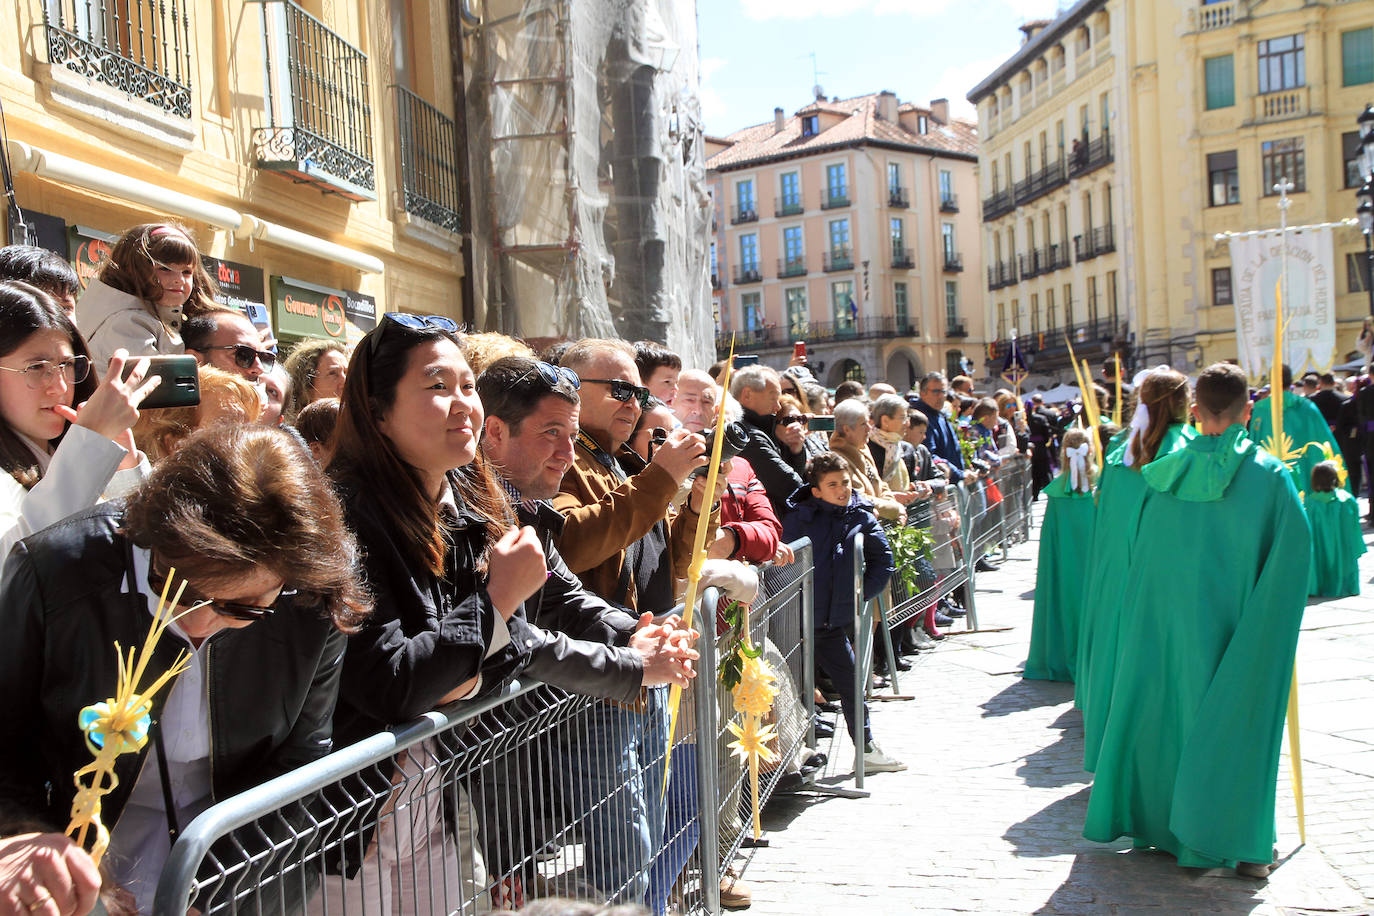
<point>307,310</point>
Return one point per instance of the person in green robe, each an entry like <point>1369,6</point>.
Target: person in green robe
<point>1337,539</point>
<point>1209,626</point>
<point>1303,423</point>
<point>1158,427</point>
<point>1065,536</point>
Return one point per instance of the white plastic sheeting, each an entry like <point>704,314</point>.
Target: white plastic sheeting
<point>591,215</point>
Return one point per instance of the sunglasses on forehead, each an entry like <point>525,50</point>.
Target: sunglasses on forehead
<point>412,322</point>
<point>551,375</point>
<point>623,391</point>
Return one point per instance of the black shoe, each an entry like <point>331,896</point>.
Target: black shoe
<point>942,621</point>
<point>824,729</point>
<point>828,707</point>
<point>903,664</point>
<point>984,565</point>
<point>955,612</point>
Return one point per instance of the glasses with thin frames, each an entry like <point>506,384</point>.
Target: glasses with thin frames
<point>244,356</point>
<point>41,373</point>
<point>623,391</point>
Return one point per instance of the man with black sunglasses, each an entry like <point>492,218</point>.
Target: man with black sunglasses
<point>227,340</point>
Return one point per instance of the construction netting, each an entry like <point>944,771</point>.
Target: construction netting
<point>591,214</point>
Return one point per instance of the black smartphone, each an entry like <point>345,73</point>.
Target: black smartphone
<point>179,384</point>
<point>745,359</point>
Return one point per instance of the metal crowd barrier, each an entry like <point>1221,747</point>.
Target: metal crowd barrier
<point>488,804</point>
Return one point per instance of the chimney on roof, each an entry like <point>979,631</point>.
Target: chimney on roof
<point>1030,29</point>
<point>939,110</point>
<point>887,106</point>
<point>779,120</point>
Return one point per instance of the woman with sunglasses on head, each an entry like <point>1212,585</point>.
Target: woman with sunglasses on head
<point>151,282</point>
<point>254,531</point>
<point>65,438</point>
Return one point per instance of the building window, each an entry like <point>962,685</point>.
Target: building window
<point>1350,153</point>
<point>1283,159</point>
<point>811,125</point>
<point>798,316</point>
<point>894,177</point>
<point>1002,317</point>
<point>714,275</point>
<point>836,183</point>
<point>898,232</point>
<point>749,252</point>
<point>842,306</point>
<point>946,186</point>
<point>1068,305</point>
<point>951,302</point>
<point>793,252</point>
<point>922,124</point>
<point>1356,272</point>
<point>839,237</point>
<point>1034,313</point>
<point>954,363</point>
<point>1050,316</point>
<point>1221,286</point>
<point>790,197</point>
<point>1357,57</point>
<point>1111,298</point>
<point>899,306</point>
<point>1282,64</point>
<point>1224,178</point>
<point>947,235</point>
<point>744,197</point>
<point>1220,74</point>
<point>1092,300</point>
<point>751,308</point>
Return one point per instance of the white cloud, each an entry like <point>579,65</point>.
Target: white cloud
<point>710,66</point>
<point>955,82</point>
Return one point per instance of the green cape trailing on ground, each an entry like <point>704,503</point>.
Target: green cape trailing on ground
<point>1065,539</point>
<point>1120,494</point>
<point>1303,423</point>
<point>1337,543</point>
<point>1215,591</point>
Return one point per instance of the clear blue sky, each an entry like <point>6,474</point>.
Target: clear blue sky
<point>756,54</point>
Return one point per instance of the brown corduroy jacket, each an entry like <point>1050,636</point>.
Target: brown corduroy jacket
<point>604,516</point>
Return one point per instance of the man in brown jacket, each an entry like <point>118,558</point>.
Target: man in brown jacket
<point>850,441</point>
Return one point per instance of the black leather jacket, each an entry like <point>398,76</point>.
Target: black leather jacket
<point>272,685</point>
<point>777,469</point>
<point>428,634</point>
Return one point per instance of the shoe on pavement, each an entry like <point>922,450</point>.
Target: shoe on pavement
<point>942,621</point>
<point>923,642</point>
<point>984,566</point>
<point>734,893</point>
<point>875,761</point>
<point>1253,870</point>
<point>954,612</point>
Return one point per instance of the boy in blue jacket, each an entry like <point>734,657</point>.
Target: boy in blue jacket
<point>831,513</point>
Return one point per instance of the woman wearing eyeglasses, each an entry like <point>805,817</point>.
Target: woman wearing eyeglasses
<point>252,527</point>
<point>65,439</point>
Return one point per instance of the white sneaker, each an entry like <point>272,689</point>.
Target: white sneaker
<point>875,761</point>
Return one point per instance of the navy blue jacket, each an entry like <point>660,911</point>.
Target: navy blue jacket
<point>941,438</point>
<point>831,530</point>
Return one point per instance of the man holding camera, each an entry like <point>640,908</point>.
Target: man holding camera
<point>759,390</point>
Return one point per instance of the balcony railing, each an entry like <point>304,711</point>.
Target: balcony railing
<point>838,259</point>
<point>1032,264</point>
<point>949,203</point>
<point>1002,274</point>
<point>1093,243</point>
<point>954,262</point>
<point>747,273</point>
<point>139,47</point>
<point>956,327</point>
<point>1057,257</point>
<point>817,332</point>
<point>715,280</point>
<point>318,105</point>
<point>833,201</point>
<point>1216,16</point>
<point>1090,156</point>
<point>999,204</point>
<point>429,160</point>
<point>902,258</point>
<point>1041,183</point>
<point>1280,106</point>
<point>787,208</point>
<point>1047,350</point>
<point>792,267</point>
<point>746,213</point>
<point>897,197</point>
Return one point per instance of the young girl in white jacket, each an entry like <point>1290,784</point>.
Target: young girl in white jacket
<point>65,439</point>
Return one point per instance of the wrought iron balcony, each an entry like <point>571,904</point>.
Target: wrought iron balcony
<point>817,332</point>
<point>747,273</point>
<point>139,47</point>
<point>429,160</point>
<point>1093,243</point>
<point>902,258</point>
<point>786,207</point>
<point>956,328</point>
<point>954,262</point>
<point>1040,183</point>
<point>897,197</point>
<point>319,110</point>
<point>792,267</point>
<point>949,203</point>
<point>1002,274</point>
<point>1047,350</point>
<point>833,201</point>
<point>1031,265</point>
<point>838,259</point>
<point>999,204</point>
<point>746,213</point>
<point>1090,156</point>
<point>1057,257</point>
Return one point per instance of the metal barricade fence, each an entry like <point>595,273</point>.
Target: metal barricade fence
<point>488,804</point>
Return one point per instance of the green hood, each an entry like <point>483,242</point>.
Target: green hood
<point>1201,471</point>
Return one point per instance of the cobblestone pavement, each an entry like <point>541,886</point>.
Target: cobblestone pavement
<point>988,817</point>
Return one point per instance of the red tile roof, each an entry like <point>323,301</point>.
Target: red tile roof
<point>860,124</point>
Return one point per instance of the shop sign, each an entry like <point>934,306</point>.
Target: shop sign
<point>87,249</point>
<point>304,309</point>
<point>241,287</point>
<point>44,231</point>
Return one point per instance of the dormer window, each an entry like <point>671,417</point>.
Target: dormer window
<point>922,124</point>
<point>811,125</point>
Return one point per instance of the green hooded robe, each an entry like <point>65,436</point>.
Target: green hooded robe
<point>1337,543</point>
<point>1065,538</point>
<point>1120,494</point>
<point>1304,424</point>
<point>1209,627</point>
